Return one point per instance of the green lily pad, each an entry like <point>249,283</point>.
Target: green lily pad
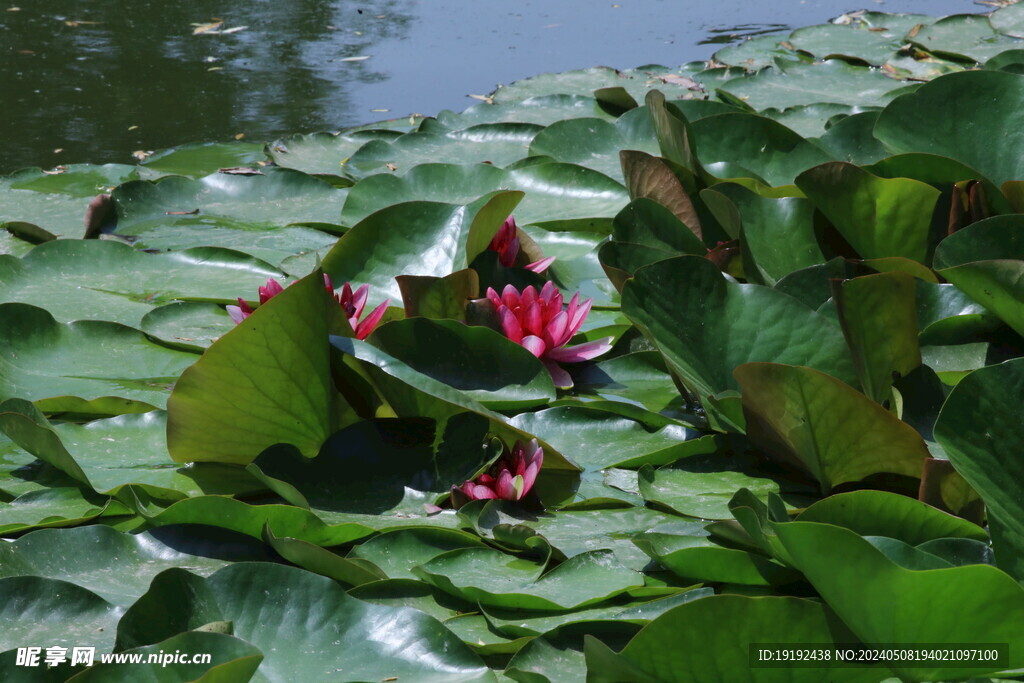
<point>542,111</point>
<point>718,325</point>
<point>701,486</point>
<point>969,37</point>
<point>879,318</point>
<point>946,315</point>
<point>107,280</point>
<point>880,513</point>
<point>776,233</point>
<point>1009,21</point>
<point>188,325</point>
<point>85,367</point>
<point>879,217</point>
<point>202,158</point>
<point>323,153</point>
<point>812,83</point>
<point>397,552</point>
<point>435,240</point>
<point>496,143</point>
<point>974,603</point>
<point>753,54</point>
<point>635,379</point>
<point>413,394</point>
<point>116,566</point>
<point>574,532</point>
<point>128,449</point>
<point>548,199</point>
<point>76,180</point>
<point>826,41</point>
<point>596,143</point>
<point>492,578</point>
<point>396,455</point>
<point>814,422</point>
<point>230,658</point>
<point>637,82</point>
<point>852,140</point>
<point>519,623</point>
<point>57,212</point>
<point>54,507</point>
<point>812,120</point>
<point>57,613</point>
<point>478,361</point>
<point>274,197</point>
<point>929,120</point>
<point>596,439</point>
<point>267,602</point>
<point>265,382</point>
<point>975,429</point>
<point>998,237</point>
<point>679,646</point>
<point>271,245</point>
<point>760,144</point>
<point>697,558</point>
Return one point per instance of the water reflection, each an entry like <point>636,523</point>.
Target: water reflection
<point>100,80</point>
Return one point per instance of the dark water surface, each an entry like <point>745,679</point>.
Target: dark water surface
<point>97,80</point>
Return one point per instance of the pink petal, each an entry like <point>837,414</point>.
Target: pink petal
<point>359,299</point>
<point>554,331</point>
<point>510,325</point>
<point>530,476</point>
<point>559,376</point>
<point>540,266</point>
<point>532,319</point>
<point>236,314</point>
<point>477,492</point>
<point>548,291</point>
<point>510,297</point>
<point>506,488</point>
<point>555,303</point>
<point>534,345</point>
<point>328,284</point>
<point>507,256</point>
<point>270,290</point>
<point>533,453</point>
<point>581,352</point>
<point>576,321</point>
<point>529,297</point>
<point>493,297</point>
<point>573,306</point>
<point>364,328</point>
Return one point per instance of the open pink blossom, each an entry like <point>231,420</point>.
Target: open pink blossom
<point>538,323</point>
<point>506,243</point>
<point>351,302</point>
<point>510,478</point>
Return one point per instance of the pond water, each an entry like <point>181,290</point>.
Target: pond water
<point>92,82</point>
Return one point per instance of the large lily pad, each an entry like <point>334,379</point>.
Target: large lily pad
<point>978,434</point>
<point>717,325</point>
<point>379,641</point>
<point>106,280</point>
<point>930,120</point>
<point>67,368</point>
<point>273,197</point>
<point>265,382</point>
<point>810,83</point>
<point>969,604</point>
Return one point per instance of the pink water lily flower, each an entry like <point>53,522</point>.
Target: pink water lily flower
<point>538,323</point>
<point>506,243</point>
<point>351,302</point>
<point>511,478</point>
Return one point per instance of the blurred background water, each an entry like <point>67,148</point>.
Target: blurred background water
<point>98,80</point>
